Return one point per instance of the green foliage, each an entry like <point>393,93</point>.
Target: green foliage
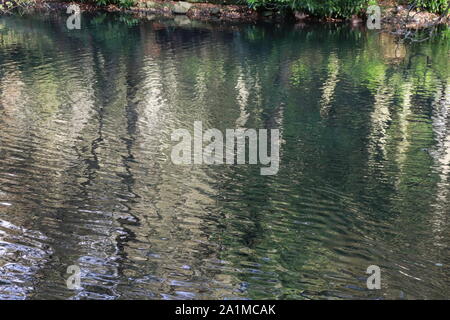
<point>119,3</point>
<point>322,8</point>
<point>436,6</point>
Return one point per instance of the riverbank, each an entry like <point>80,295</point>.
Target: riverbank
<point>392,16</point>
<point>87,176</point>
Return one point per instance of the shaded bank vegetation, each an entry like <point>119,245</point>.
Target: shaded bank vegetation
<point>316,8</point>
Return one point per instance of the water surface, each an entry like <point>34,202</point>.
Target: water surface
<point>86,178</point>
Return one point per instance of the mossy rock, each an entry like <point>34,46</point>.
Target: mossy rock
<point>181,7</point>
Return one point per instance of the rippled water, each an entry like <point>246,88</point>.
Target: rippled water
<point>86,177</point>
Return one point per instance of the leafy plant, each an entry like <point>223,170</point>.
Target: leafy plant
<point>436,6</point>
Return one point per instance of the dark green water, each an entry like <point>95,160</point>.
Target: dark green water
<point>86,178</point>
